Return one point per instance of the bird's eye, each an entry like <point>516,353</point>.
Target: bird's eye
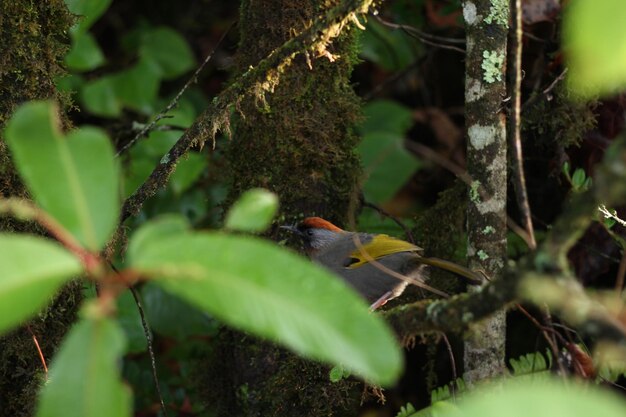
<point>309,232</point>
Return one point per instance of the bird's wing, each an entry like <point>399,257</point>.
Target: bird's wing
<point>378,247</point>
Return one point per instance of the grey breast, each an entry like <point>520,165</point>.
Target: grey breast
<point>370,280</point>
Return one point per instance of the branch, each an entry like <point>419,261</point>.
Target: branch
<point>150,126</point>
<point>256,81</point>
<point>548,266</point>
<point>515,142</point>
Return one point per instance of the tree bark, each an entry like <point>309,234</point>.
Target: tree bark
<point>486,26</point>
<point>34,41</point>
<point>299,142</point>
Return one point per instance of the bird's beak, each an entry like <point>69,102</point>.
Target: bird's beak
<point>291,228</point>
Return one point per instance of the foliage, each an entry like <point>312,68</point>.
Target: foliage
<point>593,35</point>
<point>296,303</point>
<point>387,163</point>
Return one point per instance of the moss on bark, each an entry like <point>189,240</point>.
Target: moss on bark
<point>34,38</point>
<point>299,142</point>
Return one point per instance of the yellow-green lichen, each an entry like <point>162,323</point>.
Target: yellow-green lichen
<point>482,255</point>
<point>498,13</point>
<point>493,64</point>
<point>488,230</point>
<point>474,195</point>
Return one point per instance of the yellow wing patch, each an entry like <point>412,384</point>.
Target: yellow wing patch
<point>378,247</point>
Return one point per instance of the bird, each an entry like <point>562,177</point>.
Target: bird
<point>377,266</point>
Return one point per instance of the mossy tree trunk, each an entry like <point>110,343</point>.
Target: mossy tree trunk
<point>299,143</point>
<point>33,35</point>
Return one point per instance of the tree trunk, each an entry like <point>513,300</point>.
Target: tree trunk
<point>298,142</point>
<point>487,24</point>
<point>33,36</point>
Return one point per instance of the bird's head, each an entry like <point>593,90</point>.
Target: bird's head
<point>315,232</point>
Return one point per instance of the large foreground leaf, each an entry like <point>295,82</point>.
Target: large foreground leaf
<point>537,398</point>
<point>32,269</point>
<point>84,376</point>
<point>269,291</point>
<point>594,40</point>
<point>73,178</point>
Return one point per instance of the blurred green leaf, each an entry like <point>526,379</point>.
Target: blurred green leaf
<point>578,179</point>
<point>388,165</point>
<point>99,97</point>
<point>392,49</point>
<point>373,222</point>
<point>539,398</point>
<point>138,86</point>
<point>85,54</point>
<point>69,83</point>
<point>33,269</point>
<point>161,228</point>
<point>73,178</point>
<point>253,211</point>
<point>90,10</point>
<point>130,321</point>
<point>182,115</point>
<point>273,293</point>
<point>170,316</point>
<point>386,116</point>
<point>168,49</point>
<point>84,376</point>
<point>188,170</point>
<point>595,41</point>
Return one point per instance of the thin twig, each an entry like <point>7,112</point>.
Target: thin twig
<point>216,116</point>
<point>515,142</point>
<point>608,215</point>
<point>460,173</point>
<point>39,351</point>
<point>452,364</point>
<point>380,210</point>
<point>163,114</point>
<point>147,333</point>
<point>146,330</point>
<point>544,331</point>
<point>536,96</point>
<point>427,38</point>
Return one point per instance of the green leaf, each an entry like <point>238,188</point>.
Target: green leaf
<point>578,179</point>
<point>253,211</point>
<point>388,164</point>
<point>266,290</point>
<point>188,170</point>
<point>386,116</point>
<point>33,269</point>
<point>170,316</point>
<point>138,86</point>
<point>99,97</point>
<point>73,178</point>
<point>595,41</point>
<point>130,321</point>
<point>157,229</point>
<point>91,10</point>
<point>391,49</point>
<point>84,376</point>
<point>169,50</point>
<point>539,398</point>
<point>85,54</point>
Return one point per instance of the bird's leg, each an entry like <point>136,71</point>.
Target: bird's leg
<point>381,301</point>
